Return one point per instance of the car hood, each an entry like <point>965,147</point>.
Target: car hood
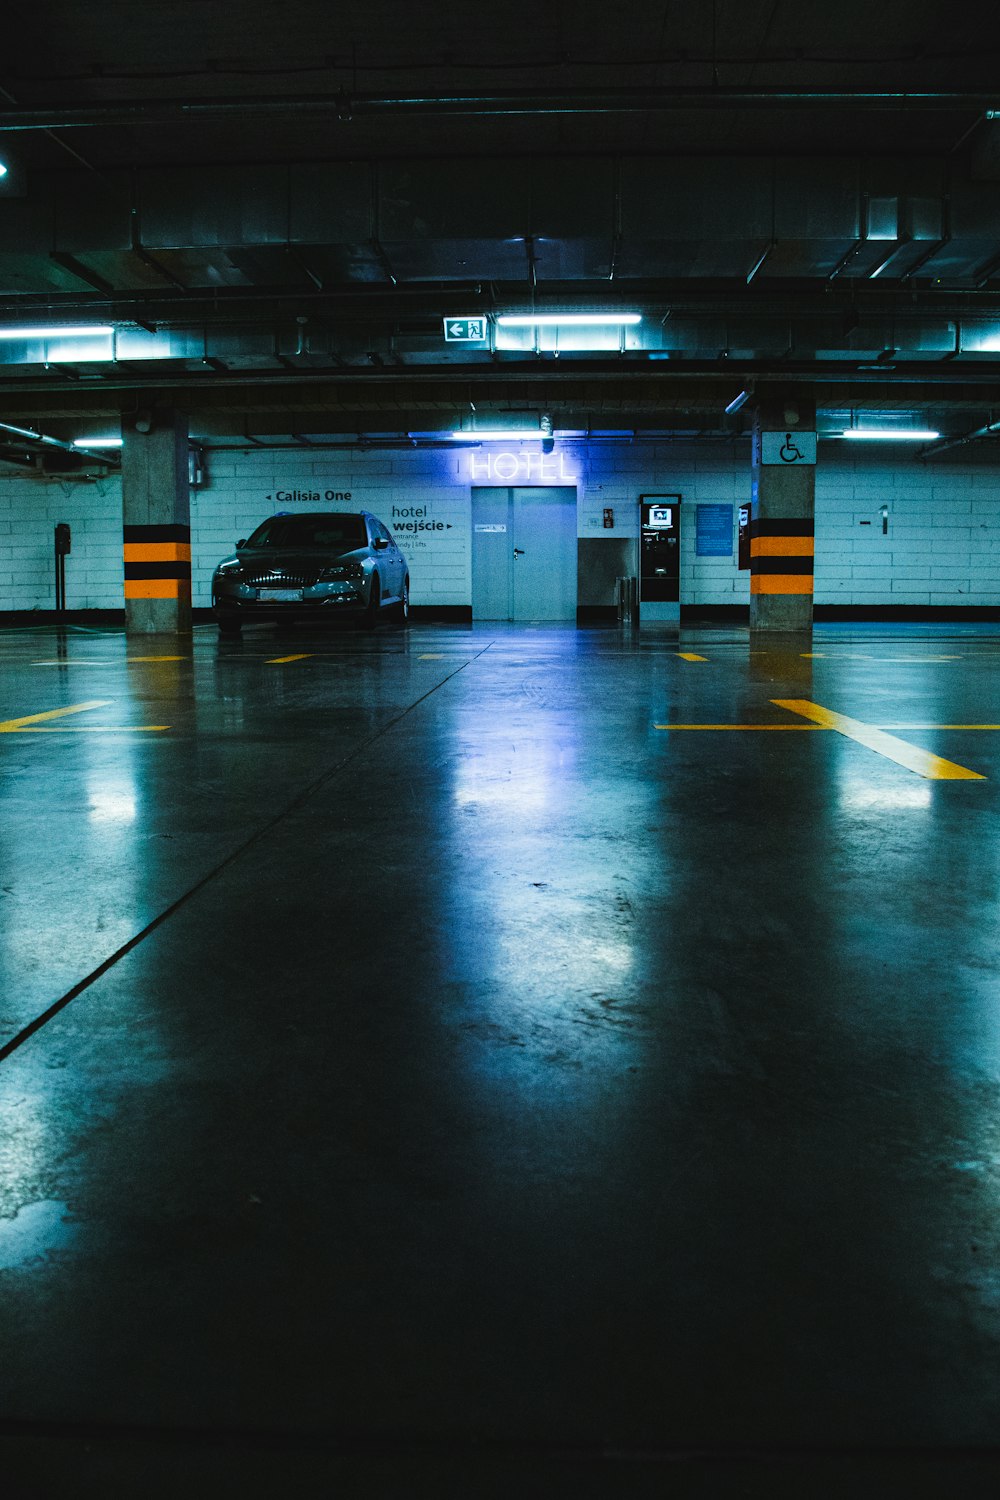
<point>296,560</point>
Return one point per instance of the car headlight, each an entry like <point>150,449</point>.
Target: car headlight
<point>229,570</point>
<point>343,570</point>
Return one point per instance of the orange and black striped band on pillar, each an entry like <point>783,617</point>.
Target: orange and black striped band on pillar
<point>781,556</point>
<point>157,562</point>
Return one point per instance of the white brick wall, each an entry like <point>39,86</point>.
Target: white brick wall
<point>942,545</point>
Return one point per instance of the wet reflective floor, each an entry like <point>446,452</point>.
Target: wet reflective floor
<point>501,1059</point>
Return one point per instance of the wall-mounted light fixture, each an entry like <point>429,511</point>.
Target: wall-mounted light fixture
<point>508,435</point>
<point>90,331</point>
<point>569,320</point>
<point>887,435</point>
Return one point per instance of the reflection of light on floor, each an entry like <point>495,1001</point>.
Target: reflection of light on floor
<point>528,781</point>
<point>885,798</point>
<point>34,1230</point>
<point>112,803</point>
<point>526,793</point>
<point>619,956</point>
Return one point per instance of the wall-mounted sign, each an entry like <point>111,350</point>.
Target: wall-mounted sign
<point>713,530</point>
<point>789,449</point>
<point>520,468</point>
<point>465,331</point>
<point>310,497</point>
<point>496,528</point>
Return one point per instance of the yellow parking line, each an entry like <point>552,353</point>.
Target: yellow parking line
<point>12,726</point>
<point>739,726</point>
<point>822,726</point>
<point>91,729</point>
<point>921,762</point>
<point>158,658</point>
<point>690,656</point>
<point>274,661</point>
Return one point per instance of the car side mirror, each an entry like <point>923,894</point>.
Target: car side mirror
<point>241,543</point>
<point>380,544</point>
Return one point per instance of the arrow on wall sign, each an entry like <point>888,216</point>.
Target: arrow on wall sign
<point>465,330</point>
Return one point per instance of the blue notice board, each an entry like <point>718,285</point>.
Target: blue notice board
<point>713,530</point>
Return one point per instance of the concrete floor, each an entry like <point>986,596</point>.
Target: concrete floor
<point>445,1076</point>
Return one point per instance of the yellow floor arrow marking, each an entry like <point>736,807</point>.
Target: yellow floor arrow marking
<point>275,661</point>
<point>921,762</point>
<point>690,656</point>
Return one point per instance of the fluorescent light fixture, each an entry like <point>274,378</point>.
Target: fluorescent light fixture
<point>737,402</point>
<point>886,435</point>
<point>104,442</point>
<point>569,320</point>
<point>93,331</point>
<point>3,169</point>
<point>512,435</point>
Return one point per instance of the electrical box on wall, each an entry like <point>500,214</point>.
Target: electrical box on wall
<point>609,518</point>
<point>744,537</point>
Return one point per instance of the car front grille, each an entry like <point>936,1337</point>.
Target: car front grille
<point>285,581</point>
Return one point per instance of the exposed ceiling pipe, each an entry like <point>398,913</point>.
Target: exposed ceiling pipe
<point>39,440</point>
<point>345,106</point>
<point>931,373</point>
<point>957,442</point>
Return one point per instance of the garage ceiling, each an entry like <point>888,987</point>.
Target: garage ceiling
<point>276,208</point>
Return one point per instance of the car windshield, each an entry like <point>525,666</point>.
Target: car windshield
<point>333,533</point>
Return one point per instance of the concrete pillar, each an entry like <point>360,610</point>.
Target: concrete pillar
<point>156,514</point>
<point>783,508</point>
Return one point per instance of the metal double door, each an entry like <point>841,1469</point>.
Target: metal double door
<point>524,544</point>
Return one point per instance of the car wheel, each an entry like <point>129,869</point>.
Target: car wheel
<point>374,604</point>
<point>403,607</point>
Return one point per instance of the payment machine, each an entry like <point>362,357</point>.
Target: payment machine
<point>659,557</point>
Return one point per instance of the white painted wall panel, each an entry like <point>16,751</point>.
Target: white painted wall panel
<point>942,545</point>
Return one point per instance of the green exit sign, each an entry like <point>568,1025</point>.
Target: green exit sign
<point>465,331</point>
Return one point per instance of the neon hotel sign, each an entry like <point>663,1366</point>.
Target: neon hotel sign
<point>520,468</point>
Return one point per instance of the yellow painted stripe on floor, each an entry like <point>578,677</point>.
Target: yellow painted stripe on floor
<point>275,661</point>
<point>90,729</point>
<point>158,658</point>
<point>739,726</point>
<point>822,726</point>
<point>921,762</point>
<point>11,726</point>
<point>690,656</point>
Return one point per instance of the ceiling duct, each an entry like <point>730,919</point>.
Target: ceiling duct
<point>343,106</point>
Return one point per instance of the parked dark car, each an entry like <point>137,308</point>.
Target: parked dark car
<point>319,563</point>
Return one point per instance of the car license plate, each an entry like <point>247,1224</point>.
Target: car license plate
<point>279,596</point>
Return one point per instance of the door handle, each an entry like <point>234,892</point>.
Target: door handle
<point>518,551</point>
